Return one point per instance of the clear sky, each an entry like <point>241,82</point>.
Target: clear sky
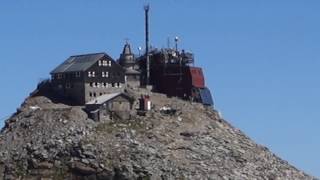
<point>260,57</point>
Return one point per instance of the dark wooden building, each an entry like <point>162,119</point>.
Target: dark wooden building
<point>82,78</point>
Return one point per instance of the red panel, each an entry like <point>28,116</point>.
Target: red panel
<point>197,77</point>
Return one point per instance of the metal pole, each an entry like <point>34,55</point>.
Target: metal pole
<point>146,9</point>
<point>176,39</point>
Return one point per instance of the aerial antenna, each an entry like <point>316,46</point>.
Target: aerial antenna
<point>176,39</point>
<point>146,13</point>
<point>127,40</point>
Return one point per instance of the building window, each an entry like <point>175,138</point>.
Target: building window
<point>105,74</point>
<point>93,74</point>
<point>100,63</point>
<point>89,74</point>
<point>98,84</point>
<point>59,76</point>
<point>105,84</point>
<point>91,84</point>
<point>90,94</point>
<point>100,94</point>
<point>78,74</point>
<point>110,63</point>
<point>104,63</point>
<point>94,94</point>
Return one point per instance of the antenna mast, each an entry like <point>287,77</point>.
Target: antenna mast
<point>146,11</point>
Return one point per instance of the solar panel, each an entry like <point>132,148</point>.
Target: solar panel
<point>206,96</point>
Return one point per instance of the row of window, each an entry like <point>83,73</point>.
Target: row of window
<point>98,85</point>
<point>104,63</point>
<point>105,85</point>
<point>93,74</point>
<point>75,74</point>
<point>94,94</point>
<point>103,74</point>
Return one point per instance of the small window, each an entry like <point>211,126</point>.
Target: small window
<point>93,74</point>
<point>100,94</point>
<point>103,75</point>
<point>98,84</point>
<point>109,64</point>
<point>104,63</point>
<point>90,94</point>
<point>89,74</point>
<point>107,74</point>
<point>94,84</point>
<point>105,84</point>
<point>94,94</point>
<point>91,84</point>
<point>59,76</point>
<point>78,74</point>
<point>99,63</point>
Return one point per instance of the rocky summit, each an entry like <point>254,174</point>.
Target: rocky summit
<point>51,140</point>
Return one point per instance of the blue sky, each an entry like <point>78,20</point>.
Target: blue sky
<point>260,57</point>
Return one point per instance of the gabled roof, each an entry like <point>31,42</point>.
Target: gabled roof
<point>107,97</point>
<point>79,62</point>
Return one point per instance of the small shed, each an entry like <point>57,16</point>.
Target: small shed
<point>110,105</point>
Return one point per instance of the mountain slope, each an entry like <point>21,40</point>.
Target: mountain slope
<point>56,141</point>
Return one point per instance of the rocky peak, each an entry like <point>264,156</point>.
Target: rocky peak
<point>56,141</point>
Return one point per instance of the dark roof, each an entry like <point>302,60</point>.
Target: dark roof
<point>131,71</point>
<point>79,62</point>
<point>126,49</point>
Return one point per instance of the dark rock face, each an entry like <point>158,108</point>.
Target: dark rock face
<point>44,140</point>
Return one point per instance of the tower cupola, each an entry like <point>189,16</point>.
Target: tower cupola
<point>127,57</point>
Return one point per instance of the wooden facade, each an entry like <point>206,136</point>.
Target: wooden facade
<point>84,77</point>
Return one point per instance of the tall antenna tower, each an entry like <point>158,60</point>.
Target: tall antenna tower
<point>146,12</point>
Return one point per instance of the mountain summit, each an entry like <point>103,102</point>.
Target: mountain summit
<point>176,139</point>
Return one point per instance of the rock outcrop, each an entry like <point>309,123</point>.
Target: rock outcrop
<point>56,141</point>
